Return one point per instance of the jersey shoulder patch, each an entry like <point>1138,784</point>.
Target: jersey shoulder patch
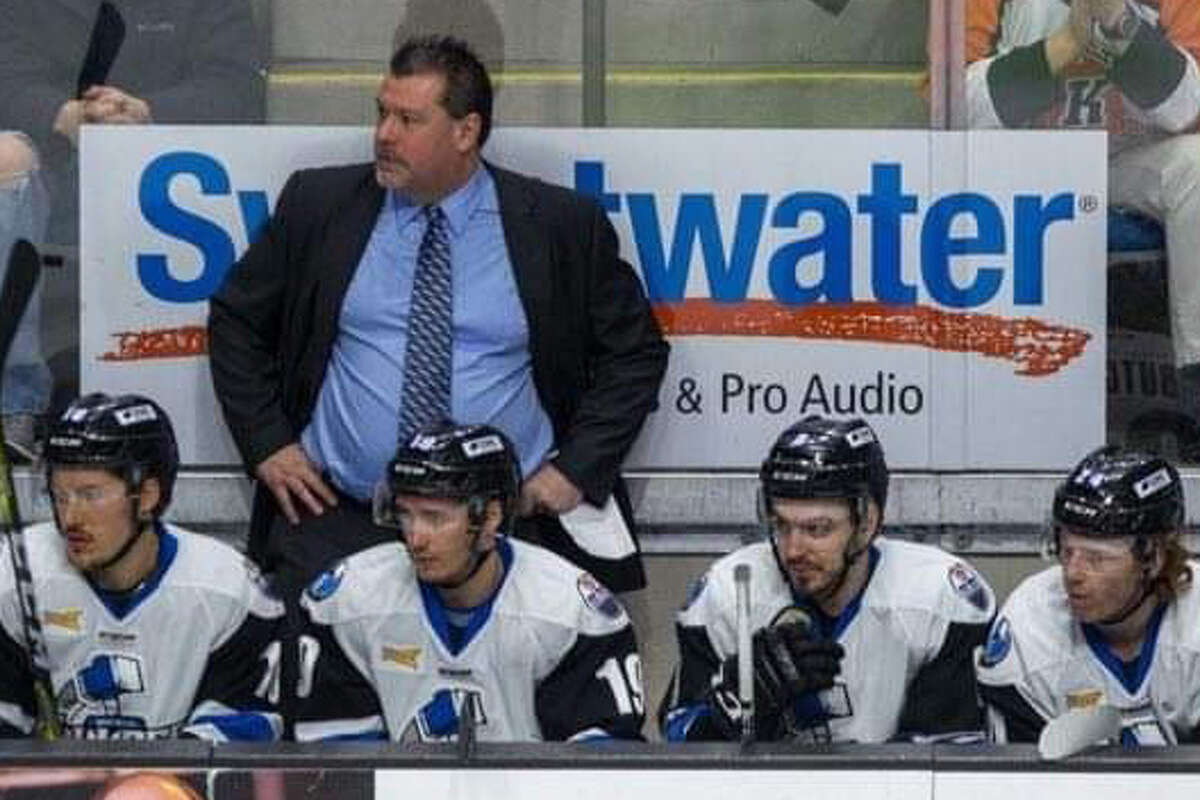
<point>325,584</point>
<point>695,589</point>
<point>968,584</point>
<point>598,598</point>
<point>999,643</point>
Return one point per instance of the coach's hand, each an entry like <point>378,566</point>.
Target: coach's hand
<point>548,490</point>
<point>289,474</point>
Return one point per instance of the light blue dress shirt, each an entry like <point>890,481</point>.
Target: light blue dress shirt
<point>354,426</point>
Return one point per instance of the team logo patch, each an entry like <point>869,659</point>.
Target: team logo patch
<point>404,656</point>
<point>1150,484</point>
<point>695,590</point>
<point>325,584</point>
<point>967,583</point>
<point>135,414</point>
<point>1084,698</point>
<point>67,619</point>
<point>998,644</point>
<point>598,598</point>
<point>474,448</point>
<point>860,437</point>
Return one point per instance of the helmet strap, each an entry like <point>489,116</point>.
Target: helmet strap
<point>139,528</point>
<point>477,516</point>
<point>1144,553</point>
<point>851,555</point>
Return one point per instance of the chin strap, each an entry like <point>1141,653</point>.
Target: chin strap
<point>848,560</point>
<point>1127,611</point>
<point>481,557</point>
<point>139,528</point>
<point>858,510</point>
<point>1145,555</point>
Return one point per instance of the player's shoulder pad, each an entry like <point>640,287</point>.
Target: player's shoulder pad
<point>43,546</point>
<point>561,591</point>
<point>912,575</point>
<point>219,570</point>
<point>713,593</point>
<point>1036,621</point>
<point>364,583</point>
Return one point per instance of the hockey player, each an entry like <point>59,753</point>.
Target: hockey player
<point>856,637</point>
<point>405,639</point>
<point>1128,66</point>
<point>1115,623</point>
<point>151,631</point>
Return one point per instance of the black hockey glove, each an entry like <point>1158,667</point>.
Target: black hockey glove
<point>787,664</point>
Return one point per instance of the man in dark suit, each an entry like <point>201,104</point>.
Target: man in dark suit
<point>553,340</point>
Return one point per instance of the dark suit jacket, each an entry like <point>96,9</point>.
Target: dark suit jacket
<point>598,354</point>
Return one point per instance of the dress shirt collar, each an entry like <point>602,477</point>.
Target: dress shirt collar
<point>477,194</point>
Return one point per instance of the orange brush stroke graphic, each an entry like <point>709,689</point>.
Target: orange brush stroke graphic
<point>189,340</point>
<point>1036,347</point>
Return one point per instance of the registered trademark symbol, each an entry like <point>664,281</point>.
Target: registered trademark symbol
<point>1089,203</point>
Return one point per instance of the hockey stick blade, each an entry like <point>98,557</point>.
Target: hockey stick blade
<point>20,278</point>
<point>108,34</point>
<point>1077,730</point>
<point>833,7</point>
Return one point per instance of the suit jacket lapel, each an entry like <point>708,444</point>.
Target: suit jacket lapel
<point>345,240</point>
<point>529,248</point>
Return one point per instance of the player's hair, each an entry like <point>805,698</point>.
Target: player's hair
<point>468,87</point>
<point>1176,574</point>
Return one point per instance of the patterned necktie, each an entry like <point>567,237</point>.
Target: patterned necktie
<point>427,354</point>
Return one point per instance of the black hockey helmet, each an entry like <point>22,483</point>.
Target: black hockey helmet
<point>472,463</point>
<point>1115,492</point>
<point>820,457</point>
<point>128,434</point>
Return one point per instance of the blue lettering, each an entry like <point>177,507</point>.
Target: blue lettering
<point>937,245</point>
<point>666,276</point>
<point>589,180</point>
<point>214,244</point>
<point>833,240</point>
<point>255,213</point>
<point>667,272</point>
<point>1029,251</point>
<point>886,204</point>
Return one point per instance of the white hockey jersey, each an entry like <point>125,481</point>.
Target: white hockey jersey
<point>908,637</point>
<point>193,650</point>
<point>1164,101</point>
<point>551,656</point>
<point>1039,662</point>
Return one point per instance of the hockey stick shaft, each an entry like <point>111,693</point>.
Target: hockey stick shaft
<point>745,656</point>
<point>20,279</point>
<point>108,34</point>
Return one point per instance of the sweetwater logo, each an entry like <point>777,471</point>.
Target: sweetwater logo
<point>934,312</point>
